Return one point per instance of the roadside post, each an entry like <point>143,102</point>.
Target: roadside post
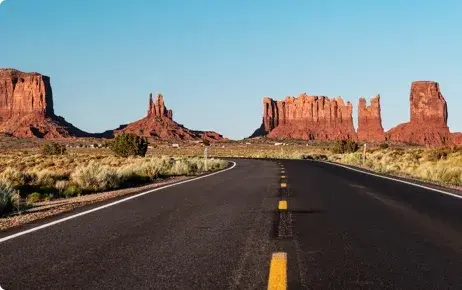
<point>364,153</point>
<point>205,157</point>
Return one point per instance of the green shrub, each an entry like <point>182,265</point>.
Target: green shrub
<point>125,145</point>
<point>53,149</point>
<point>345,146</point>
<point>13,177</point>
<point>95,177</point>
<point>6,199</point>
<point>46,178</point>
<point>33,198</point>
<point>72,191</point>
<point>206,142</point>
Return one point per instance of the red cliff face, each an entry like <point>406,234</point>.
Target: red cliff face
<point>26,107</point>
<point>24,93</point>
<point>159,124</point>
<point>370,121</point>
<point>428,125</point>
<point>307,117</point>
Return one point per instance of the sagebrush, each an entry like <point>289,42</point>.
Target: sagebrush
<point>128,144</point>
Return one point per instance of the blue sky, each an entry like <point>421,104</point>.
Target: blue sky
<point>215,60</point>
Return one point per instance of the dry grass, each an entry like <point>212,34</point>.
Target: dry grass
<point>39,177</point>
<point>442,166</point>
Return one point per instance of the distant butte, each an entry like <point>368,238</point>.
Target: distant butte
<point>159,124</point>
<point>307,117</point>
<point>26,107</point>
<point>26,110</point>
<point>429,116</point>
<point>320,118</point>
<point>370,121</point>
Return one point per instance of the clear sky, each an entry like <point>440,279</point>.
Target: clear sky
<point>214,60</point>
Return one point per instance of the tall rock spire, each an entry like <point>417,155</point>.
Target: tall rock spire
<point>370,120</point>
<point>157,107</point>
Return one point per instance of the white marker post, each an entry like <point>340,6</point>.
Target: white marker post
<point>364,153</point>
<point>205,156</point>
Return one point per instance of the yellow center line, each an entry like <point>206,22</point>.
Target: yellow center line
<point>282,205</point>
<point>283,184</point>
<point>283,176</point>
<point>278,272</point>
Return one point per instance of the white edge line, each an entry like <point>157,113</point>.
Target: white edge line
<point>109,205</point>
<point>394,179</point>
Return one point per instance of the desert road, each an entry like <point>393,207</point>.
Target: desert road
<point>313,225</point>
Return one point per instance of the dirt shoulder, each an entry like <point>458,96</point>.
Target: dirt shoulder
<point>47,209</point>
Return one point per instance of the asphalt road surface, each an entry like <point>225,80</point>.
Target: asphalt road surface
<point>342,229</point>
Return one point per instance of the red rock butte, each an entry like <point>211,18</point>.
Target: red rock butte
<point>26,107</point>
<point>370,121</point>
<point>307,117</point>
<point>320,118</point>
<point>429,116</point>
<point>159,124</point>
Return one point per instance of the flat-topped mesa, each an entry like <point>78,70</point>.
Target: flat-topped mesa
<point>370,121</point>
<point>157,108</point>
<point>307,117</point>
<point>24,93</point>
<point>26,107</point>
<point>429,115</point>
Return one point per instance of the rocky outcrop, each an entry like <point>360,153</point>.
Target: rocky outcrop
<point>307,117</point>
<point>159,124</point>
<point>320,118</point>
<point>26,107</point>
<point>370,121</point>
<point>158,109</point>
<point>429,115</point>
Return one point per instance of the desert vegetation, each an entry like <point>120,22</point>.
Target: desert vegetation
<point>34,176</point>
<point>442,166</point>
<point>438,165</point>
<point>125,145</point>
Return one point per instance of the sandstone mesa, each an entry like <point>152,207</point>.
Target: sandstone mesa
<point>320,118</point>
<point>26,107</point>
<point>307,117</point>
